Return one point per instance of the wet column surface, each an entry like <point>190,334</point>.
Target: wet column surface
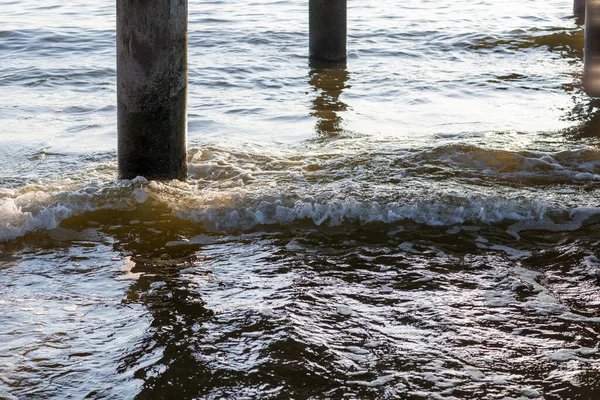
<point>327,29</point>
<point>152,88</point>
<point>579,10</point>
<point>591,54</point>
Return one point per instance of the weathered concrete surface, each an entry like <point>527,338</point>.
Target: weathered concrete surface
<point>591,54</point>
<point>152,88</point>
<point>327,29</point>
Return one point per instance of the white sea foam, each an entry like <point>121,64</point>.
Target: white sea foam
<point>243,211</point>
<point>15,221</point>
<point>35,208</point>
<point>243,208</point>
<point>578,217</point>
<point>375,383</point>
<point>513,253</point>
<point>331,187</point>
<point>575,165</point>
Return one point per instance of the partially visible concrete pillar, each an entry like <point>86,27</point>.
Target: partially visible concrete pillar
<point>327,29</point>
<point>152,88</point>
<point>591,53</point>
<point>579,10</point>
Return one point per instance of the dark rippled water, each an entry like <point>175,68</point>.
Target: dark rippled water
<point>421,222</point>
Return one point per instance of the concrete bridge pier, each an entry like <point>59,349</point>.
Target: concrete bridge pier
<point>591,52</point>
<point>579,10</point>
<point>327,29</point>
<point>152,88</point>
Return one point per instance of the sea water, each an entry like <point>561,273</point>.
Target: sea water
<point>421,221</point>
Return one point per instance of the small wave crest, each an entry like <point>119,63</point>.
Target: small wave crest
<point>239,189</point>
<point>527,167</point>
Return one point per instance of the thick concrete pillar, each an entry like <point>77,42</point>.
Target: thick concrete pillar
<point>591,53</point>
<point>152,88</point>
<point>579,10</point>
<point>327,29</point>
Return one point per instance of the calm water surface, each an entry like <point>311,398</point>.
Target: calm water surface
<point>421,222</point>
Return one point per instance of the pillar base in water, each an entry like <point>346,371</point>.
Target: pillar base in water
<point>152,88</point>
<point>591,54</point>
<point>327,29</point>
<point>579,10</point>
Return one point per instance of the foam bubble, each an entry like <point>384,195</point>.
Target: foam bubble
<point>343,310</point>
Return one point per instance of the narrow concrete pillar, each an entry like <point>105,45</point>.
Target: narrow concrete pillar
<point>579,10</point>
<point>152,88</point>
<point>591,52</point>
<point>327,29</point>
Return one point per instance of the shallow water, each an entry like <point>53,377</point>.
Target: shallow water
<point>420,222</point>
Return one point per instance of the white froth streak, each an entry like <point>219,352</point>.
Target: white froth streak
<point>577,165</point>
<point>578,217</point>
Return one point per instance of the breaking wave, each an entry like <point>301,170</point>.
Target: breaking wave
<point>239,189</point>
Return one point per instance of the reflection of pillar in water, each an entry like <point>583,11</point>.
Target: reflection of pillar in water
<point>328,80</point>
<point>176,334</point>
<point>591,53</point>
